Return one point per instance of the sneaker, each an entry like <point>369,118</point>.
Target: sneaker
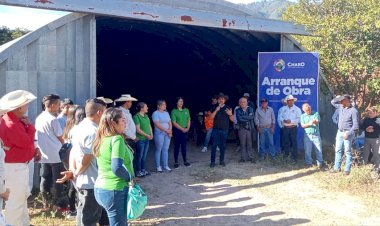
<point>204,149</point>
<point>187,164</point>
<point>140,174</point>
<point>241,160</point>
<point>146,173</point>
<point>167,169</point>
<point>223,164</point>
<point>159,169</point>
<point>212,165</point>
<point>176,165</point>
<point>71,215</point>
<point>346,173</point>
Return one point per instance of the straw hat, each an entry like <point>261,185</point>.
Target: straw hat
<point>16,99</point>
<point>290,97</point>
<point>106,100</point>
<point>125,97</point>
<point>339,98</point>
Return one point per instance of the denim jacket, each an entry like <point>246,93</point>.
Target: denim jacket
<point>245,119</point>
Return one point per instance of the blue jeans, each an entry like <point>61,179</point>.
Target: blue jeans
<point>162,142</point>
<point>115,203</point>
<point>313,141</point>
<point>219,137</point>
<point>208,137</point>
<point>340,145</point>
<point>266,143</point>
<point>142,147</point>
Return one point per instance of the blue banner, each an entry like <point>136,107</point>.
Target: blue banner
<point>282,74</point>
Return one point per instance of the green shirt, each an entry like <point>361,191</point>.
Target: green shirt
<point>181,117</point>
<point>113,147</point>
<point>305,118</point>
<point>144,123</point>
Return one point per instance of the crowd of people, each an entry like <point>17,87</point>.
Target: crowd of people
<point>109,146</point>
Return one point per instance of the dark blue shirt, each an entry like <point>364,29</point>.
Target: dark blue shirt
<point>348,119</point>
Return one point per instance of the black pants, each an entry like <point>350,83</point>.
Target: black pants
<point>72,196</point>
<point>180,140</point>
<point>290,141</point>
<point>50,172</point>
<point>88,209</point>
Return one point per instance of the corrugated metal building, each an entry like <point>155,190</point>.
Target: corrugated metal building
<point>77,55</point>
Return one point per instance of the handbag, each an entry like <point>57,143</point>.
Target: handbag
<point>137,201</point>
<point>64,154</point>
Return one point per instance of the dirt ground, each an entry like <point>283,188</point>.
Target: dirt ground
<point>246,194</point>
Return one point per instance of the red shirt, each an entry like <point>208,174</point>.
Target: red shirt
<point>18,139</point>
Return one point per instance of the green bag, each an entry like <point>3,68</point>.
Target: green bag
<point>137,201</point>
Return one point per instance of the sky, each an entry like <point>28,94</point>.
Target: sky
<point>32,19</point>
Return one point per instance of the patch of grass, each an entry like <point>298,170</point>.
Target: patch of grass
<point>40,214</point>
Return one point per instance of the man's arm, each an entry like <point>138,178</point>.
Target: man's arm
<point>355,122</point>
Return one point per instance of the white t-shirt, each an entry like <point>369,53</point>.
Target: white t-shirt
<point>48,130</point>
<point>130,128</point>
<point>82,139</point>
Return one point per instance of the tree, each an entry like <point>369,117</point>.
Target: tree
<point>346,33</point>
<point>7,34</point>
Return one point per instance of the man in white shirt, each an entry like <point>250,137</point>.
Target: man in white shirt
<point>83,169</point>
<point>49,140</point>
<point>125,103</point>
<point>288,119</point>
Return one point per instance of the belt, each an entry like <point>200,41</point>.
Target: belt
<point>266,127</point>
<point>289,127</point>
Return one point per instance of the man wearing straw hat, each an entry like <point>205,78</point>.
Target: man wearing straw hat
<point>348,123</point>
<point>17,133</point>
<point>289,117</point>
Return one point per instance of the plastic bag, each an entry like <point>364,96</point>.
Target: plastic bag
<point>137,201</point>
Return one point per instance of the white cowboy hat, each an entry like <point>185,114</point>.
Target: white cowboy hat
<point>339,98</point>
<point>16,99</point>
<point>290,97</point>
<point>125,97</point>
<point>106,100</point>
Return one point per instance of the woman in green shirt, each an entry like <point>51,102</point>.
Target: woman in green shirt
<point>181,125</point>
<point>144,135</point>
<point>115,167</point>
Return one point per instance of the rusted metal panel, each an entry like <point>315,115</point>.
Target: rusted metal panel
<point>168,13</point>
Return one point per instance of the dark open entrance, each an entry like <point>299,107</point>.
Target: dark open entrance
<point>152,60</point>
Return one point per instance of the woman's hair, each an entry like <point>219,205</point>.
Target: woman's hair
<point>80,114</point>
<point>70,122</point>
<point>177,99</point>
<point>159,103</point>
<point>107,127</point>
<point>140,105</point>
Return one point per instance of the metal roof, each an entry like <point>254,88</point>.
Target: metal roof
<point>209,13</point>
